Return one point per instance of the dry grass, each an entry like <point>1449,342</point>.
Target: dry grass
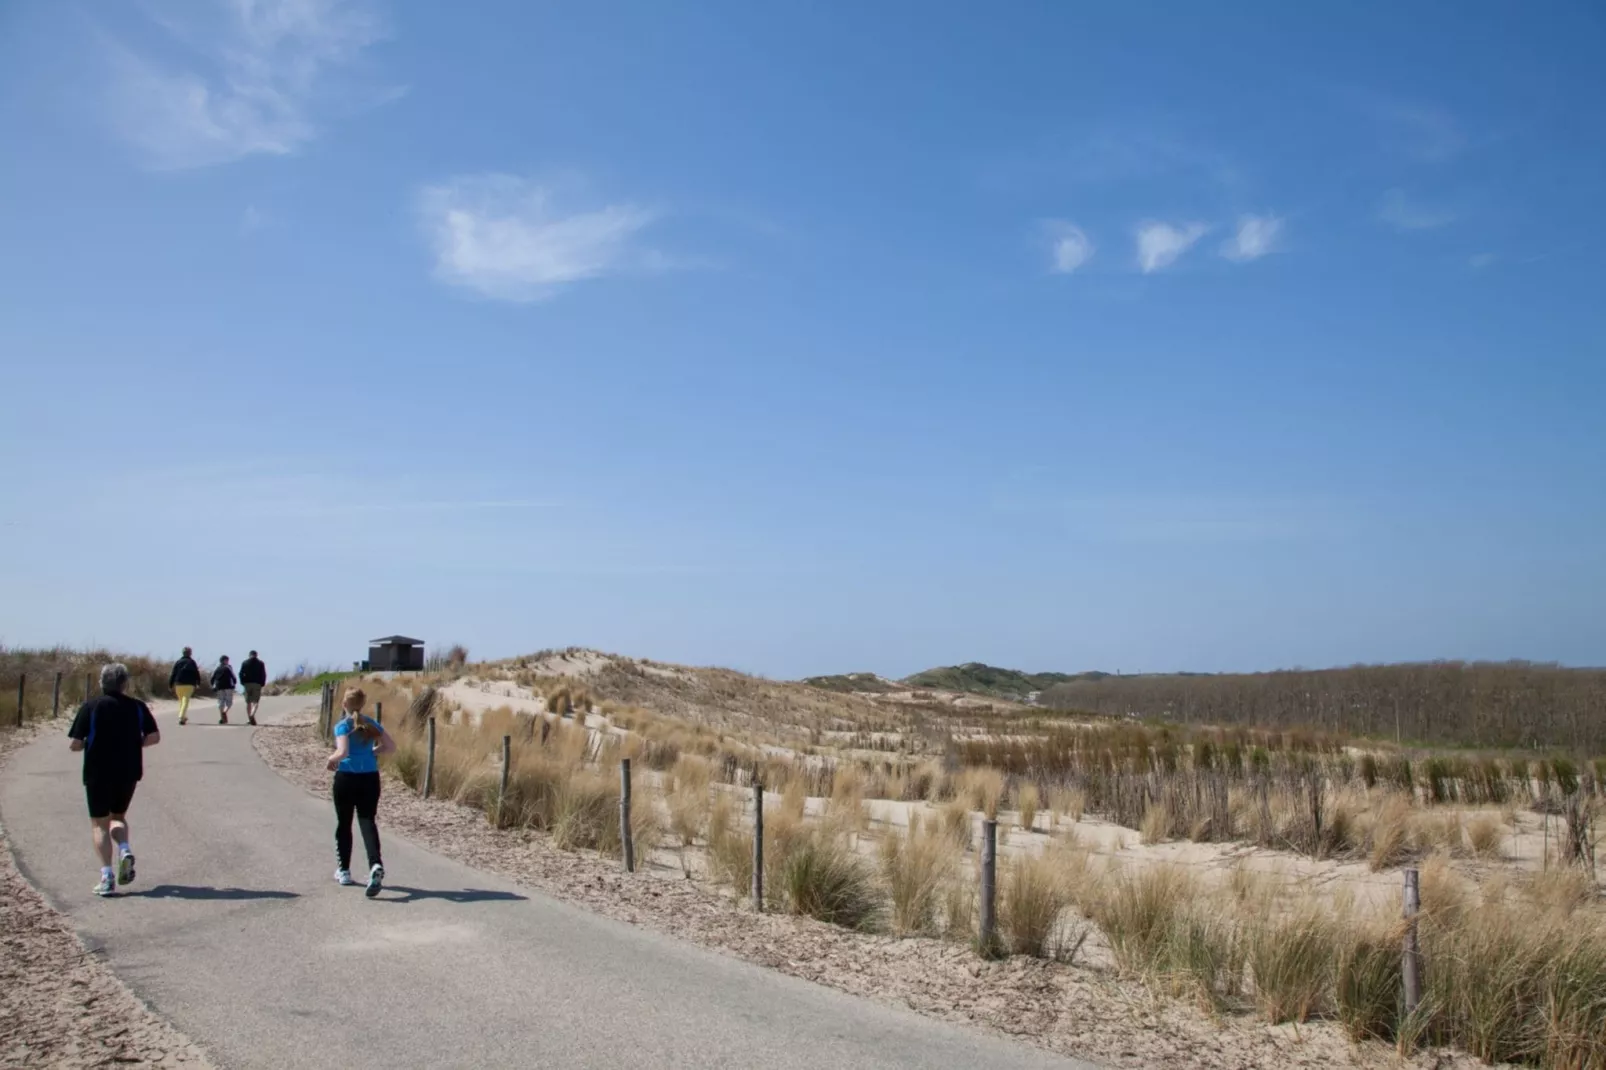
<point>1484,836</point>
<point>982,789</point>
<point>825,879</point>
<point>1068,802</point>
<point>1156,826</point>
<point>1292,959</point>
<point>917,867</point>
<point>1389,840</point>
<point>1033,896</point>
<point>1028,801</point>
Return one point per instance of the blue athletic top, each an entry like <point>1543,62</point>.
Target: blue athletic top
<point>360,756</point>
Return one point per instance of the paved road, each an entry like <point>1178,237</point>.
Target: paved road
<point>236,932</point>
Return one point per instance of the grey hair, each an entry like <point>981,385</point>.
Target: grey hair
<point>114,677</point>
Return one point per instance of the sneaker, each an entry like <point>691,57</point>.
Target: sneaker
<point>224,719</point>
<point>251,721</point>
<point>376,877</point>
<point>125,868</point>
<point>343,876</point>
<point>183,720</point>
<point>107,885</point>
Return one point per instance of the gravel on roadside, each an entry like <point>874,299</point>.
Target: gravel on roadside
<point>60,1005</point>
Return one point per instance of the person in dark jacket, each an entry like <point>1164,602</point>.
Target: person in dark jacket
<point>184,679</point>
<point>223,683</point>
<point>113,731</point>
<point>253,675</point>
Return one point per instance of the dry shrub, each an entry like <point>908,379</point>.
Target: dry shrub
<point>730,845</point>
<point>1390,839</point>
<point>688,800</point>
<point>1028,801</point>
<point>983,789</point>
<point>560,702</point>
<point>1561,891</point>
<point>794,798</point>
<point>1156,826</point>
<point>917,866</point>
<point>825,879</point>
<point>1484,835</point>
<point>954,820</point>
<point>1439,832</point>
<point>1443,892</point>
<point>1068,802</point>
<point>1292,959</point>
<point>845,807</point>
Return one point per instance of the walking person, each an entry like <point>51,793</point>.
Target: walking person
<point>253,675</point>
<point>184,679</point>
<point>113,731</point>
<point>359,741</point>
<point>223,683</point>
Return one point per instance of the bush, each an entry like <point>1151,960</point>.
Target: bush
<point>1369,983</point>
<point>1035,890</point>
<point>824,879</point>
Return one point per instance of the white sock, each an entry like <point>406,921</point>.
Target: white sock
<point>106,871</point>
<point>125,848</point>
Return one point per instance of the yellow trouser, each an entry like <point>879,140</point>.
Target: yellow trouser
<point>183,691</point>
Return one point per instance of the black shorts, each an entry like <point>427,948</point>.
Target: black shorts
<point>108,797</point>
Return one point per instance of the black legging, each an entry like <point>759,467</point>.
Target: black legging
<point>357,792</point>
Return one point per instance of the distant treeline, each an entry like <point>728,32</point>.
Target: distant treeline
<point>1479,704</point>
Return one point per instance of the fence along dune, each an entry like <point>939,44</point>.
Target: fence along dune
<point>1257,946</point>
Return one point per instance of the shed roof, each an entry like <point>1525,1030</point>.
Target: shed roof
<point>397,640</point>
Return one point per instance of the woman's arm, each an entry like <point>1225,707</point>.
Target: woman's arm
<point>342,748</point>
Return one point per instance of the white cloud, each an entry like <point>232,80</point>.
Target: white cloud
<point>1161,244</point>
<point>1402,213</point>
<point>253,75</point>
<point>1072,248</point>
<point>1256,236</point>
<point>502,236</point>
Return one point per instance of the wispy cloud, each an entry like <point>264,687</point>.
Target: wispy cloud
<point>1071,246</point>
<point>1402,213</point>
<point>1482,260</point>
<point>250,80</point>
<point>1161,244</point>
<point>1255,236</point>
<point>1420,130</point>
<point>503,237</point>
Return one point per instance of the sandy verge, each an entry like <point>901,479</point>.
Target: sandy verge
<point>1087,1012</point>
<point>60,1005</point>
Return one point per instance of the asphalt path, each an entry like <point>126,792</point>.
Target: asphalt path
<point>235,931</point>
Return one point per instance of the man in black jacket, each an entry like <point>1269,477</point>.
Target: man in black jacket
<point>253,675</point>
<point>223,683</point>
<point>184,679</point>
<point>112,731</point>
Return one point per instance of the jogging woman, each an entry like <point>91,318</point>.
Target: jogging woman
<point>359,741</point>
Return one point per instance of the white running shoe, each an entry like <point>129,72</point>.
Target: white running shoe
<point>125,868</point>
<point>376,878</point>
<point>107,885</point>
<point>344,876</point>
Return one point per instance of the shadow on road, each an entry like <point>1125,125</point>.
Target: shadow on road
<point>185,891</point>
<point>464,895</point>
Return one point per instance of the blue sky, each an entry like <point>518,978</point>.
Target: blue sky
<point>806,337</point>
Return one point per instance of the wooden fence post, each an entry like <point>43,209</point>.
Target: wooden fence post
<point>987,934</point>
<point>507,761</point>
<point>758,845</point>
<point>55,698</point>
<point>626,842</point>
<point>22,696</point>
<point>429,760</point>
<point>1411,966</point>
<point>379,714</point>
